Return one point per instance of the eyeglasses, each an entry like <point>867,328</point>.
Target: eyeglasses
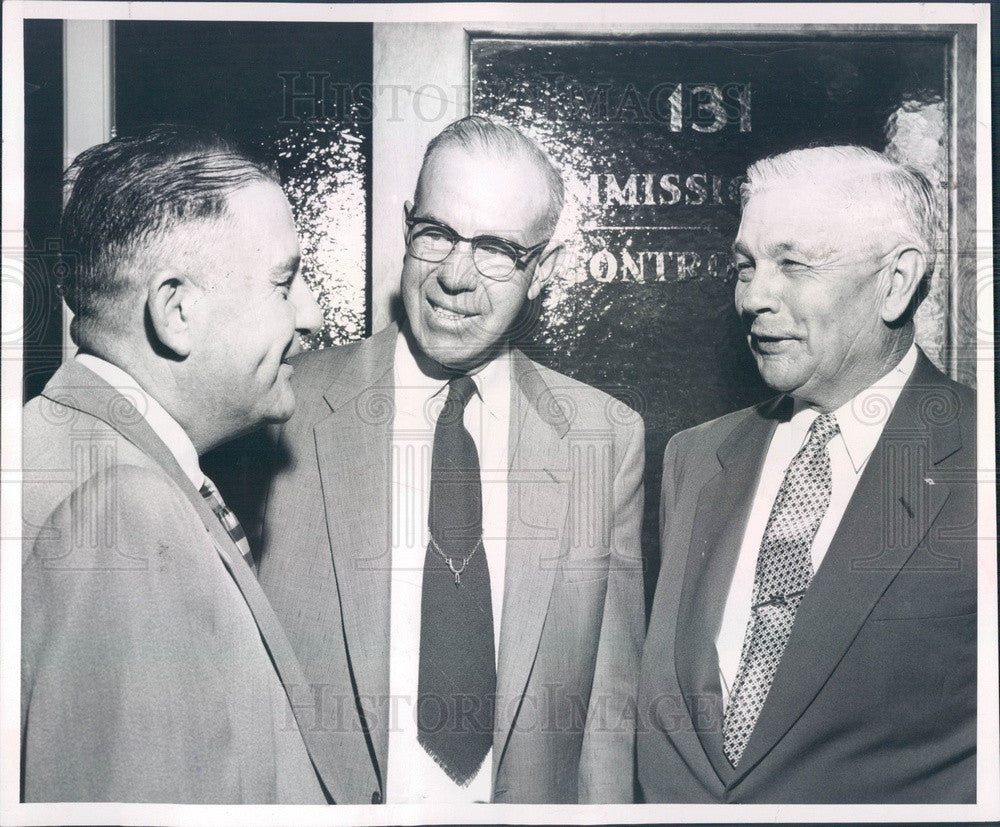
<point>495,258</point>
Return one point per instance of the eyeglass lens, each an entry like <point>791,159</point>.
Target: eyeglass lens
<point>433,244</point>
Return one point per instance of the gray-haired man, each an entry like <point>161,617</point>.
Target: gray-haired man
<point>452,540</point>
<point>813,635</point>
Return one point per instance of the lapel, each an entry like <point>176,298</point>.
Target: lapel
<point>353,443</point>
<point>717,534</point>
<point>538,493</point>
<point>78,387</point>
<point>859,566</point>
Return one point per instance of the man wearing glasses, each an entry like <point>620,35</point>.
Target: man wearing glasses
<point>452,538</point>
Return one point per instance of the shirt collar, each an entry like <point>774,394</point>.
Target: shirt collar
<point>862,418</point>
<point>492,381</point>
<point>163,424</point>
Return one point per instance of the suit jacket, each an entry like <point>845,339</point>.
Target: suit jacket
<point>572,623</point>
<point>874,699</point>
<point>153,667</point>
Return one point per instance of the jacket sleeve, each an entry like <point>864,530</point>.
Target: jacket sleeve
<point>607,771</point>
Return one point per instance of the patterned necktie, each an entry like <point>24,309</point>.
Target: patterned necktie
<point>228,520</point>
<point>784,570</point>
<point>457,676</point>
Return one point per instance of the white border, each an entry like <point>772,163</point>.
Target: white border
<point>541,16</point>
<point>605,14</point>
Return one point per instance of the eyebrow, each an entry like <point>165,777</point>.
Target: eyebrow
<point>429,216</point>
<point>433,219</point>
<point>781,247</point>
<point>289,266</point>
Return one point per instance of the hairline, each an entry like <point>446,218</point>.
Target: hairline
<point>488,143</point>
<point>201,171</point>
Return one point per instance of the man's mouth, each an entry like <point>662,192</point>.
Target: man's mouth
<point>291,349</point>
<point>449,314</point>
<point>769,342</point>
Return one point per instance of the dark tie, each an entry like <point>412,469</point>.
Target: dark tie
<point>457,682</point>
<point>228,520</point>
<point>784,571</point>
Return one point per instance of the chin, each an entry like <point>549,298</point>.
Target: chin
<point>281,409</point>
<point>277,417</point>
<point>461,361</point>
<point>449,352</point>
<point>778,374</point>
<point>779,381</point>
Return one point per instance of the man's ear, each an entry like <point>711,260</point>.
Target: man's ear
<point>407,209</point>
<point>170,302</point>
<point>907,270</point>
<point>548,265</point>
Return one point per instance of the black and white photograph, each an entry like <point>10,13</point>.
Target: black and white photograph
<point>497,414</point>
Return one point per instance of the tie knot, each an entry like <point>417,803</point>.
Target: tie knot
<point>461,389</point>
<point>823,429</point>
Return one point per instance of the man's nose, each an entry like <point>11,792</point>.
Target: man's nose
<point>760,292</point>
<point>308,315</point>
<point>458,272</point>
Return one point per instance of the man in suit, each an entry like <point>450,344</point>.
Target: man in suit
<point>452,540</point>
<point>153,667</point>
<point>813,634</point>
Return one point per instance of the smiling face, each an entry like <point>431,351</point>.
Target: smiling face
<point>812,282</point>
<point>459,317</point>
<point>253,302</point>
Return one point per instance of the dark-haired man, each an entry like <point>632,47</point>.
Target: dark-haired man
<point>153,668</point>
<point>452,542</point>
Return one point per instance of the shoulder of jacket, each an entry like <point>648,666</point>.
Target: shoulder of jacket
<point>711,434</point>
<point>620,409</point>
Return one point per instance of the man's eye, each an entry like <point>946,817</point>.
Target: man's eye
<point>791,264</point>
<point>496,248</point>
<point>744,270</point>
<point>432,234</point>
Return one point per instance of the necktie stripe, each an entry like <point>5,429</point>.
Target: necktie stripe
<point>228,519</point>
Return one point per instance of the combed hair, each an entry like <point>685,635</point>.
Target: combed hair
<point>906,194</point>
<point>124,196</point>
<point>475,133</point>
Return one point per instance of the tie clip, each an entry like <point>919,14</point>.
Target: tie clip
<point>780,599</point>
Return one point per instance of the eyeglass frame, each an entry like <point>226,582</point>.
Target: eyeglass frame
<point>523,255</point>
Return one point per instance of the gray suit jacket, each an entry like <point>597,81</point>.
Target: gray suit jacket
<point>874,699</point>
<point>572,622</point>
<point>153,667</point>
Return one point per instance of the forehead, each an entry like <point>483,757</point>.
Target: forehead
<point>476,193</point>
<point>806,214</point>
<point>254,238</point>
<point>260,207</point>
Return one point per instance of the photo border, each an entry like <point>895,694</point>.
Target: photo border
<point>693,17</point>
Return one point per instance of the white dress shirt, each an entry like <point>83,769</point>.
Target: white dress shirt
<point>162,423</point>
<point>861,421</point>
<point>412,775</point>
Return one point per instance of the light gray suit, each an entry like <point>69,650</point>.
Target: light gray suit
<point>572,622</point>
<point>153,668</point>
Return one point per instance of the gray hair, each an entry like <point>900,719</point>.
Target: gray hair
<point>905,193</point>
<point>478,134</point>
